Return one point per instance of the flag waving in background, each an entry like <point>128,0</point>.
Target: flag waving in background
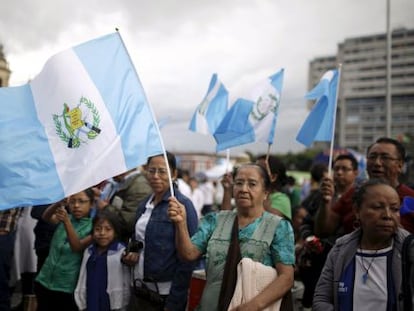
<point>212,109</point>
<point>252,119</point>
<point>83,119</point>
<point>319,124</point>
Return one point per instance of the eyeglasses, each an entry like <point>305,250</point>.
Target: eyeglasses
<point>250,184</point>
<point>342,168</point>
<point>160,171</point>
<point>79,201</point>
<point>383,157</point>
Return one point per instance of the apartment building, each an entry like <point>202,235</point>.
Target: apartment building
<point>361,114</point>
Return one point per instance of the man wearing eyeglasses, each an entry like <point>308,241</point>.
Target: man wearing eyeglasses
<point>385,160</point>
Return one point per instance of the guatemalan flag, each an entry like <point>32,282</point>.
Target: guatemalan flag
<point>319,124</point>
<point>212,109</point>
<point>252,119</point>
<point>83,119</point>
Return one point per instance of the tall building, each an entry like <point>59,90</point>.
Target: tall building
<point>361,115</point>
<point>4,69</point>
<point>317,67</point>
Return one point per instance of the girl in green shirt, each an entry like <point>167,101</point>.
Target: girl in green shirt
<point>57,279</point>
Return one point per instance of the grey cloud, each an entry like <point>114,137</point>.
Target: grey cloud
<point>177,45</point>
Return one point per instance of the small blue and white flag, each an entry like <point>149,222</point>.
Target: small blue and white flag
<point>252,119</point>
<point>319,124</point>
<point>212,109</point>
<point>83,119</point>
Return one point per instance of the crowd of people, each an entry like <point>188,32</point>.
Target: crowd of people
<point>133,241</point>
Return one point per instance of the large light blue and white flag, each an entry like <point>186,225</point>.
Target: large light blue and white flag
<point>212,109</point>
<point>252,119</point>
<point>83,119</point>
<point>319,124</point>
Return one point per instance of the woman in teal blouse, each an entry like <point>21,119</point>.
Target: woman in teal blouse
<point>277,202</point>
<point>57,279</point>
<point>264,237</point>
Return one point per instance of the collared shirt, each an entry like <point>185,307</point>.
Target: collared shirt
<point>161,261</point>
<point>61,269</point>
<point>280,251</point>
<point>8,219</point>
<point>163,288</point>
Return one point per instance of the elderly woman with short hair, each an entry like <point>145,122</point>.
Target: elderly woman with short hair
<point>363,269</point>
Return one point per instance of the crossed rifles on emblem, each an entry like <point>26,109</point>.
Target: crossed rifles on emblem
<point>74,123</point>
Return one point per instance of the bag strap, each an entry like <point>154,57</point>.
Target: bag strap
<point>406,272</point>
<point>228,283</point>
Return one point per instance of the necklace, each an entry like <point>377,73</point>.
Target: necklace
<point>365,274</point>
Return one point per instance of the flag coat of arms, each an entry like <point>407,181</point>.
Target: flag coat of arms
<point>252,119</point>
<point>83,119</point>
<point>319,125</point>
<point>212,109</point>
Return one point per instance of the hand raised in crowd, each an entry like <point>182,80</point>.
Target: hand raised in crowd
<point>58,204</point>
<point>327,188</point>
<point>99,203</point>
<point>61,214</point>
<point>227,184</point>
<point>96,192</point>
<point>227,181</point>
<point>50,215</point>
<point>176,211</point>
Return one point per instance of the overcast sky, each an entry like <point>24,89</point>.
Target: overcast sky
<point>176,46</point>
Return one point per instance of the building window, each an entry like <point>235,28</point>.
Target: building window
<point>353,119</point>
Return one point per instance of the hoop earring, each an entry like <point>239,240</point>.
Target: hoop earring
<point>356,223</point>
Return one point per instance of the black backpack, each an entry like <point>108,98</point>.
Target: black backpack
<point>407,267</point>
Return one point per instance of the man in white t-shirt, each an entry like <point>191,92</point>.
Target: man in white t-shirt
<point>197,196</point>
<point>208,190</point>
<point>182,184</point>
